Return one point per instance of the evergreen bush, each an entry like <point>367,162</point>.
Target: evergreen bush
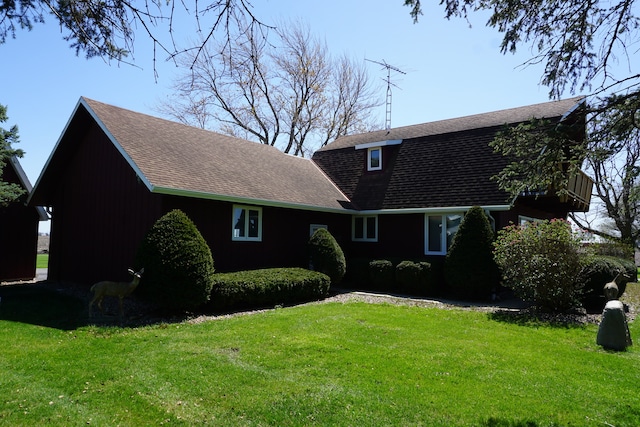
<point>541,262</point>
<point>267,288</point>
<point>381,274</point>
<point>413,277</point>
<point>326,255</point>
<point>470,270</point>
<point>178,263</point>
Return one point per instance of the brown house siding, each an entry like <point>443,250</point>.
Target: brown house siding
<point>97,220</point>
<point>18,236</point>
<point>285,233</point>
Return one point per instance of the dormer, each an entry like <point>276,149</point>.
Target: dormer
<point>375,152</point>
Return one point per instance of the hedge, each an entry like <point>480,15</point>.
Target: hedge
<point>267,288</point>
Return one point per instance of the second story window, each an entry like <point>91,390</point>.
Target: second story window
<point>374,159</point>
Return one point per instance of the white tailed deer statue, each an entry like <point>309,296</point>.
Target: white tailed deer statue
<point>114,289</point>
<point>611,288</point>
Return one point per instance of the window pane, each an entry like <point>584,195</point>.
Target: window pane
<point>435,233</point>
<point>238,222</point>
<point>371,227</point>
<point>358,228</point>
<point>375,158</point>
<point>254,217</point>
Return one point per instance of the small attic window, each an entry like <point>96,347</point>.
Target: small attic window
<point>374,159</point>
<point>374,152</point>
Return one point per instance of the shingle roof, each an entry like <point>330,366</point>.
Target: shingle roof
<point>441,164</point>
<point>477,121</point>
<point>173,157</point>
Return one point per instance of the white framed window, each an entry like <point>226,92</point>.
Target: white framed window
<point>439,232</point>
<point>523,220</point>
<point>314,227</point>
<point>374,159</point>
<point>364,228</point>
<point>247,223</point>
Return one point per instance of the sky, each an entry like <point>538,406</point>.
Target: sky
<point>453,68</point>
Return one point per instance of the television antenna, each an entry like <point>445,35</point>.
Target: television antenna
<point>389,68</point>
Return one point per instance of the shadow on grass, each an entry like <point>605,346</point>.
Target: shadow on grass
<point>497,422</point>
<point>35,304</point>
<point>532,318</point>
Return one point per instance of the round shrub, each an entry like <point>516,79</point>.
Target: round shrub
<point>177,262</point>
<point>327,256</point>
<point>413,277</point>
<point>381,274</point>
<point>541,262</point>
<point>469,268</point>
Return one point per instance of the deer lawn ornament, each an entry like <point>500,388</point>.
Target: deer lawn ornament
<point>114,289</point>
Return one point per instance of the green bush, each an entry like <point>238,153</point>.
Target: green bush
<point>327,256</point>
<point>267,288</point>
<point>381,274</point>
<point>177,262</point>
<point>596,272</point>
<point>413,277</point>
<point>470,270</point>
<point>541,263</point>
<point>614,249</point>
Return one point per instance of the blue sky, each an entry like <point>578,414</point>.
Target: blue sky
<point>452,69</point>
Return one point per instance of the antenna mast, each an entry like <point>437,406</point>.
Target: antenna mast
<point>389,84</point>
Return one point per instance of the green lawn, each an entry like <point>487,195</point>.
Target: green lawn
<point>42,261</point>
<point>333,364</point>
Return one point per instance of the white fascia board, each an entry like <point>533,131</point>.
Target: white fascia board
<point>246,200</point>
<point>379,144</point>
<point>434,211</point>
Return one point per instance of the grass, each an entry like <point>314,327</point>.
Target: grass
<point>328,364</point>
<point>42,261</point>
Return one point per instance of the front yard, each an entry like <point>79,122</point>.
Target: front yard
<point>346,364</point>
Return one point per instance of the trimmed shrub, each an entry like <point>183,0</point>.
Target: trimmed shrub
<point>381,274</point>
<point>413,277</point>
<point>614,249</point>
<point>327,256</point>
<point>541,262</point>
<point>178,263</point>
<point>597,271</point>
<point>267,288</point>
<point>470,270</point>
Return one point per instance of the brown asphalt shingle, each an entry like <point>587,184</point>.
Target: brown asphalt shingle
<point>181,158</point>
<point>477,121</point>
<point>441,164</point>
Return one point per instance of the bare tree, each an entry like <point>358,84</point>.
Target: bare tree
<point>277,86</point>
<point>613,158</point>
<point>107,28</point>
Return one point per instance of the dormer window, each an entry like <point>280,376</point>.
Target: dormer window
<point>374,162</point>
<point>374,152</point>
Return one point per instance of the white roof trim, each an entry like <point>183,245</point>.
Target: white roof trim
<point>437,210</point>
<point>246,200</point>
<point>379,144</point>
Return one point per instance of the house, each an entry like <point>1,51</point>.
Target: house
<point>114,172</point>
<point>410,186</point>
<point>18,229</point>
